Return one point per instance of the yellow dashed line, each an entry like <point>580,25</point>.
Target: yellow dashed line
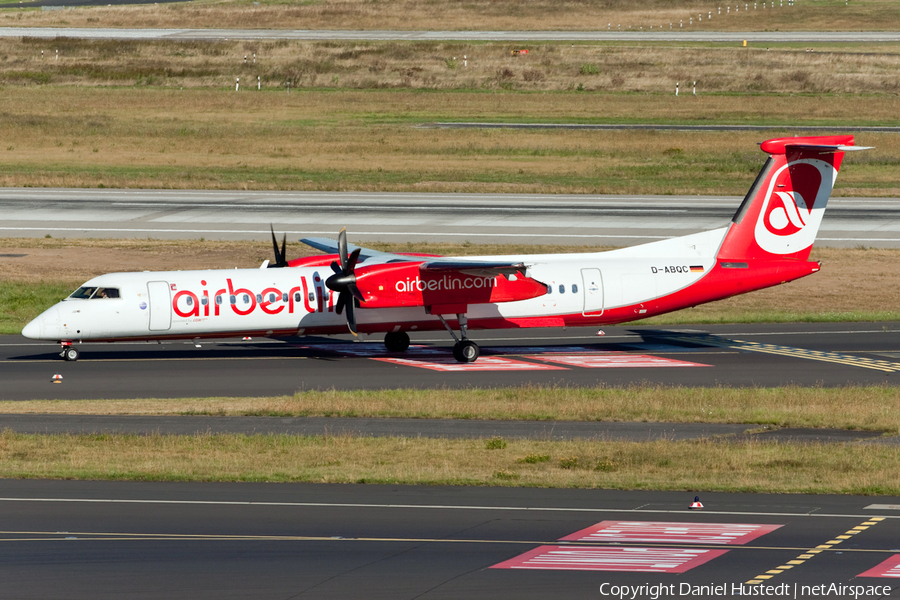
<point>832,357</point>
<point>817,550</point>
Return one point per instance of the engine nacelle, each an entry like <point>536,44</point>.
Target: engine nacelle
<point>391,286</point>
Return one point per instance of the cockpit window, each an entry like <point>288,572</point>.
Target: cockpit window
<point>94,293</point>
<point>83,292</point>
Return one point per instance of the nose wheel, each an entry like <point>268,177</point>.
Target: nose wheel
<point>465,350</point>
<point>69,352</point>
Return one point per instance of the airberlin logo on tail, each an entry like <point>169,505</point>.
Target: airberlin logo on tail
<point>790,216</point>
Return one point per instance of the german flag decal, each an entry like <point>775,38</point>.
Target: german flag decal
<point>696,268</point>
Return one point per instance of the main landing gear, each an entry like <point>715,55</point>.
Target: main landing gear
<point>465,350</point>
<point>69,352</point>
<point>396,341</point>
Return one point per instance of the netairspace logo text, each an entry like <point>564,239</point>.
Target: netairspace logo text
<point>661,591</point>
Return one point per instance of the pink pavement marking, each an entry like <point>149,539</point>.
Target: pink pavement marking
<point>610,360</point>
<point>485,363</point>
<point>670,533</point>
<point>888,568</point>
<point>592,558</point>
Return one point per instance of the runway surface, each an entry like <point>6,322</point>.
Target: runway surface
<point>97,540</point>
<point>831,354</point>
<point>403,217</point>
<point>830,37</point>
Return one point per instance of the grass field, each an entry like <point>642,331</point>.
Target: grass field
<point>367,140</point>
<point>879,15</point>
<point>662,465</point>
<point>861,408</point>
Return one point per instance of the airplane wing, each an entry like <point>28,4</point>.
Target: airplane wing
<point>477,268</point>
<point>330,246</point>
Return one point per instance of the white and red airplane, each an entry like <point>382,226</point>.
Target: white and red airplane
<point>767,243</point>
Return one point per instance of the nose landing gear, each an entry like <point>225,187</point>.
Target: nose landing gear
<point>69,352</point>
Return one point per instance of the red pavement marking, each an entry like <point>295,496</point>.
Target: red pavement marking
<point>670,533</point>
<point>587,558</point>
<point>889,568</point>
<point>448,363</point>
<point>607,360</point>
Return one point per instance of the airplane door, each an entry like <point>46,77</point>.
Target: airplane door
<point>160,306</point>
<point>593,291</point>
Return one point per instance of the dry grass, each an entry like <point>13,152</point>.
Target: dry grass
<point>872,408</point>
<point>364,141</point>
<point>604,67</point>
<point>475,14</point>
<point>757,467</point>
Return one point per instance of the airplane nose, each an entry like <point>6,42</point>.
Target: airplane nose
<point>44,326</point>
<point>33,330</point>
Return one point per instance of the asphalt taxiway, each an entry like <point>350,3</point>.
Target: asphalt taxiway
<point>614,220</point>
<point>97,540</point>
<point>831,354</point>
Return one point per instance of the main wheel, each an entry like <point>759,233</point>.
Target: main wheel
<point>396,341</point>
<point>71,353</point>
<point>466,351</point>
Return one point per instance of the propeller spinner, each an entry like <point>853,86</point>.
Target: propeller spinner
<point>344,280</point>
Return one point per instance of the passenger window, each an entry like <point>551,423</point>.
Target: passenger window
<point>574,289</point>
<point>190,301</point>
<point>204,301</point>
<point>312,297</point>
<point>549,289</point>
<point>297,297</point>
<point>259,298</point>
<point>562,289</point>
<point>246,299</point>
<point>232,299</point>
<point>284,297</point>
<point>218,299</point>
<point>271,297</point>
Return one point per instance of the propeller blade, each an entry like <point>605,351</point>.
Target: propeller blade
<point>280,255</point>
<point>342,299</point>
<point>351,262</point>
<point>336,268</point>
<point>354,291</point>
<point>351,318</point>
<point>342,248</point>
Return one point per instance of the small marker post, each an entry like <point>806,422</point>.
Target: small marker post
<point>696,505</point>
<point>56,378</point>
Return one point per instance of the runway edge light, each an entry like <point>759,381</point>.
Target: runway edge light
<point>56,378</point>
<point>696,503</point>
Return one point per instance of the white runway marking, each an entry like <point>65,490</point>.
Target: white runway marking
<point>438,507</point>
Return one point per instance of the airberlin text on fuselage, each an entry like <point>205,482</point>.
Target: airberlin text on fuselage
<point>445,283</point>
<point>186,303</point>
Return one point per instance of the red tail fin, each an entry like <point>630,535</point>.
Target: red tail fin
<point>781,214</point>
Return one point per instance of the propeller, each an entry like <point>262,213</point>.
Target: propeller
<point>344,281</point>
<point>280,256</point>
